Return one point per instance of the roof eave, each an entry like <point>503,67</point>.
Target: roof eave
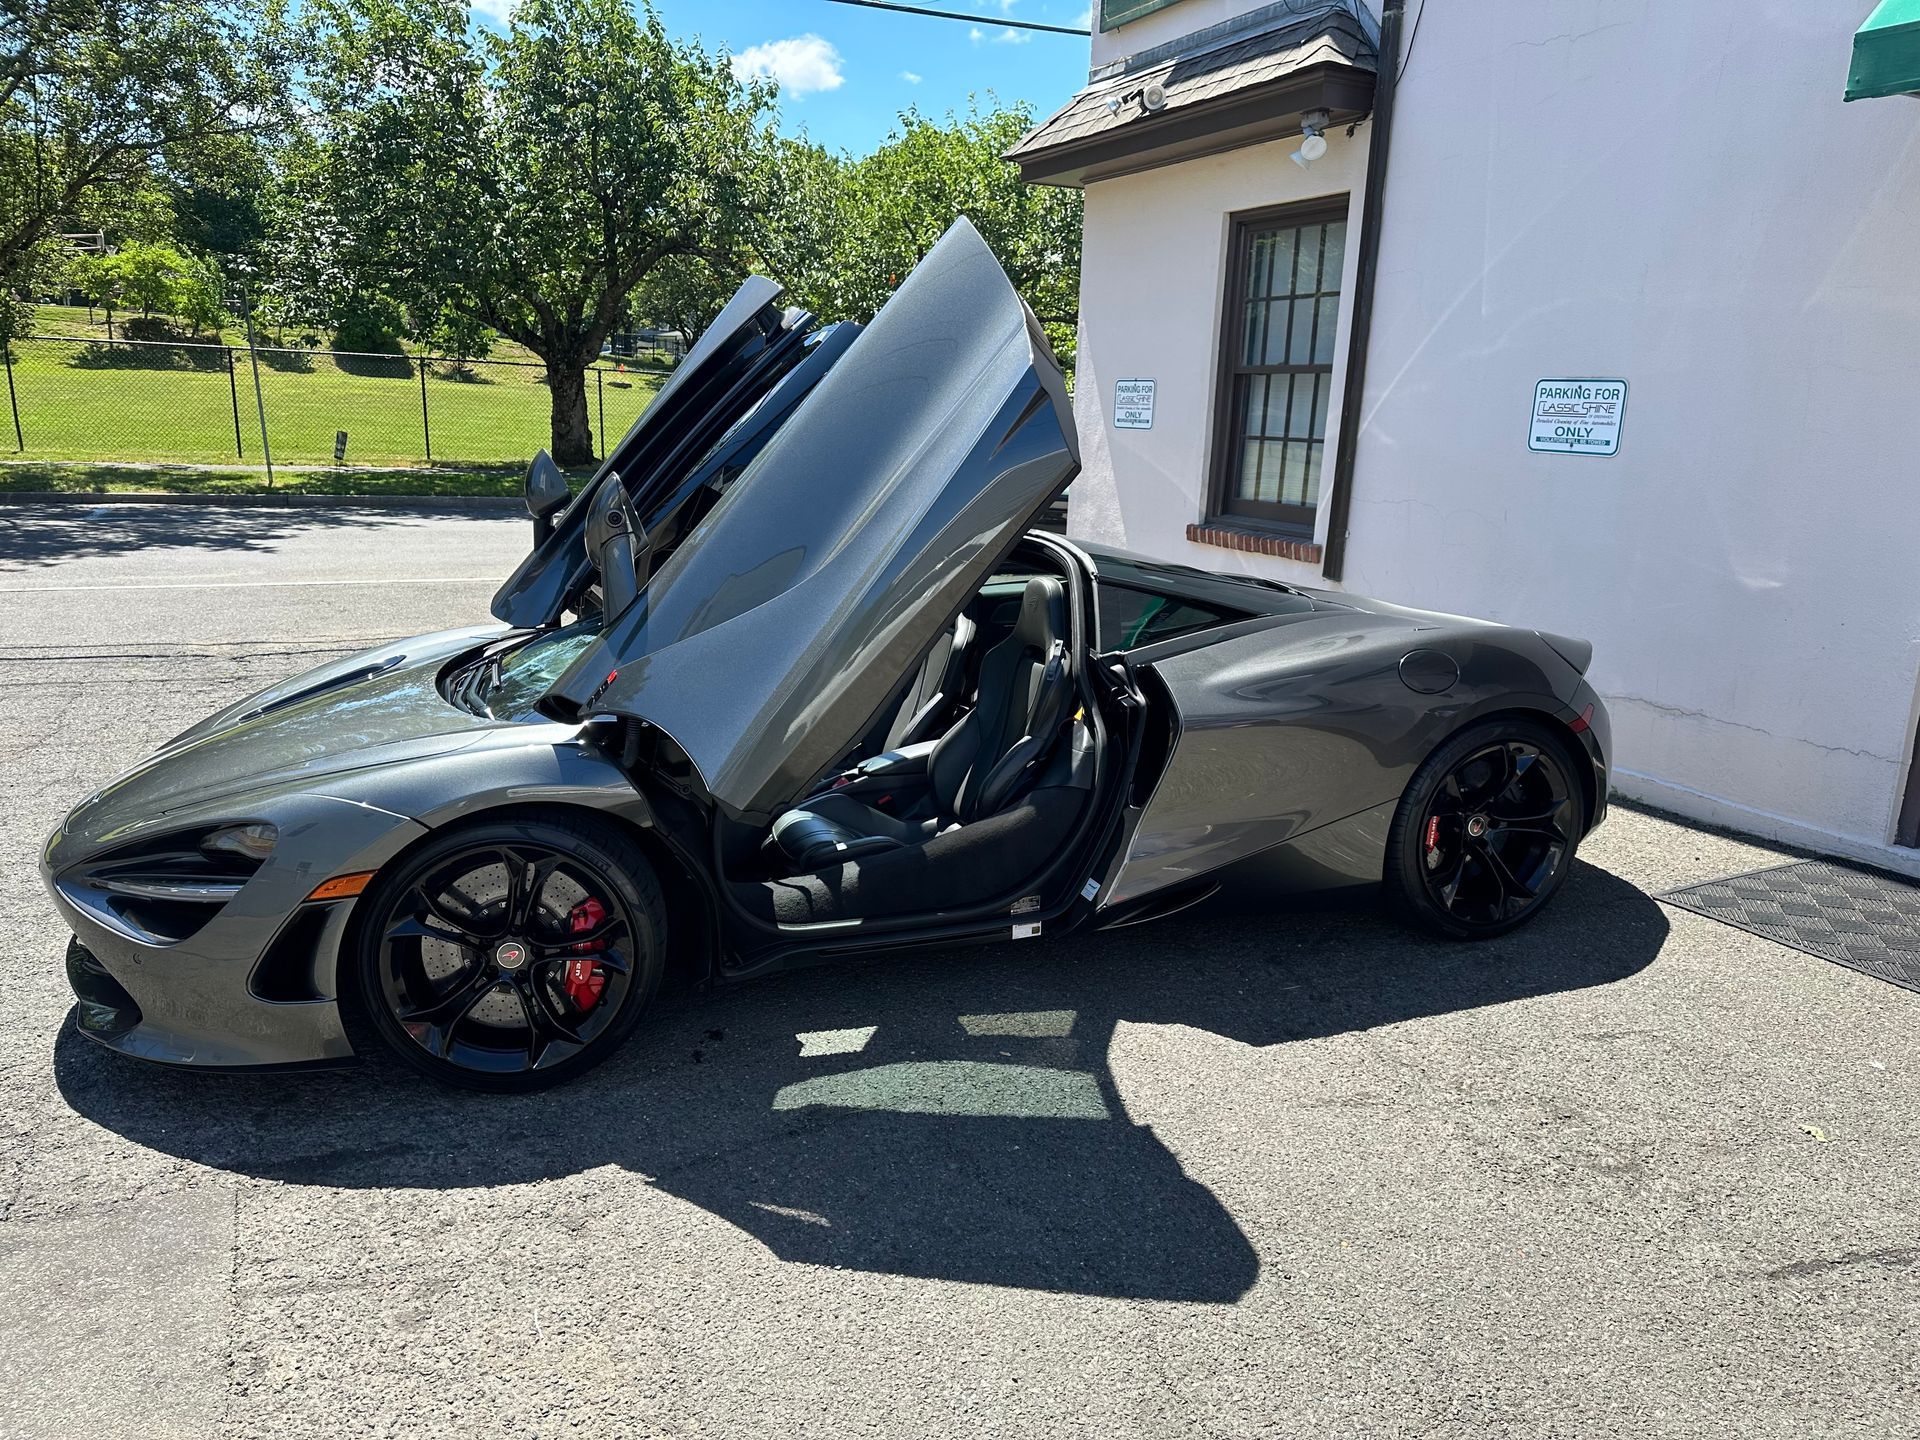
<point>1250,116</point>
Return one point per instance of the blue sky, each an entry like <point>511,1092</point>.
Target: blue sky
<point>847,72</point>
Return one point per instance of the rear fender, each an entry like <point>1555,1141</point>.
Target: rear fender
<point>1286,729</point>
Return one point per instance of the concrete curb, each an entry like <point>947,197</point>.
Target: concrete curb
<point>289,501</point>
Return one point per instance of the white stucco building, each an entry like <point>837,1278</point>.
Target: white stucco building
<point>1674,197</point>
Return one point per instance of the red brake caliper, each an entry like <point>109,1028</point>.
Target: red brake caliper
<point>584,979</point>
<point>1433,842</point>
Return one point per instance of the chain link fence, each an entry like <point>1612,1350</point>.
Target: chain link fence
<point>132,402</point>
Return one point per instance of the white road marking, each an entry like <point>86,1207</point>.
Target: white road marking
<point>256,584</point>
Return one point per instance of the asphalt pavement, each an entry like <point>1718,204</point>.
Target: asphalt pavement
<point>1294,1173</point>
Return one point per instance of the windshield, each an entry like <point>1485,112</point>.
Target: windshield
<point>504,684</point>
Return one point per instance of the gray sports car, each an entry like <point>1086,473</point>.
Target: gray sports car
<point>792,679</point>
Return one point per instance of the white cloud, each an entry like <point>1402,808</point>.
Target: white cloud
<point>1012,37</point>
<point>495,10</point>
<point>803,65</point>
<point>1084,20</point>
<point>911,78</point>
<point>976,34</point>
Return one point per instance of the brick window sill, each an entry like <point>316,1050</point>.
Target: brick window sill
<point>1253,542</point>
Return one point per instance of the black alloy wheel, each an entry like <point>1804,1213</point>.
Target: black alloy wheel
<point>1486,832</point>
<point>512,955</point>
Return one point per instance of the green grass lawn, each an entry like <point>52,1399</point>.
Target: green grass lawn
<point>121,406</point>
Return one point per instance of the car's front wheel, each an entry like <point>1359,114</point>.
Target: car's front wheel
<point>512,954</point>
<point>1485,835</point>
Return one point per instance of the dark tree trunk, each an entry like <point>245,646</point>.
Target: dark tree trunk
<point>572,431</point>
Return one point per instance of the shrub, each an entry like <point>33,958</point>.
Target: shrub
<point>148,327</point>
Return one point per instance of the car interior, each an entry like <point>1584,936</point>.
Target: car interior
<point>963,789</point>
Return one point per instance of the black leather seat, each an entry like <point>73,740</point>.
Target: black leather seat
<point>935,689</point>
<point>978,768</point>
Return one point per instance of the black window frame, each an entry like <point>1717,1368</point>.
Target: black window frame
<point>1247,225</point>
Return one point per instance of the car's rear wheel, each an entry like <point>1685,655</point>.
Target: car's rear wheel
<point>512,955</point>
<point>1485,835</point>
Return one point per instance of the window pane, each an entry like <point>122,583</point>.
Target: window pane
<point>1323,390</point>
<point>1313,472</point>
<point>1306,272</point>
<point>1131,618</point>
<point>1300,411</point>
<point>1278,267</point>
<point>1293,486</point>
<point>1268,486</point>
<point>1260,261</point>
<point>1300,350</point>
<point>1256,323</point>
<point>1274,352</point>
<point>1270,417</point>
<point>1329,325</point>
<point>1241,385</point>
<point>1335,255</point>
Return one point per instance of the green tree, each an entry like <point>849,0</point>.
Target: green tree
<point>98,95</point>
<point>149,276</point>
<point>95,277</point>
<point>530,180</point>
<point>797,228</point>
<point>897,201</point>
<point>197,296</point>
<point>452,336</point>
<point>686,292</point>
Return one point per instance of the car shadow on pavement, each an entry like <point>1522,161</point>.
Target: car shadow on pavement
<point>952,1117</point>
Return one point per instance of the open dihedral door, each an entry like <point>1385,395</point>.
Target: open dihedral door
<point>771,638</point>
<point>749,347</point>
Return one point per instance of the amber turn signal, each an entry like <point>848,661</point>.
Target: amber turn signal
<point>341,887</point>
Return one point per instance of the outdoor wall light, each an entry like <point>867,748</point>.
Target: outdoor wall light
<point>1151,98</point>
<point>1313,140</point>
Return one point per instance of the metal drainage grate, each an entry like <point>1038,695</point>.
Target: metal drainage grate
<point>1857,918</point>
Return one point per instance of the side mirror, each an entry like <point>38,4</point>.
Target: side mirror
<point>617,546</point>
<point>547,494</point>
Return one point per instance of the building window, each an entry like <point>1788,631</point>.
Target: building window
<point>1282,313</point>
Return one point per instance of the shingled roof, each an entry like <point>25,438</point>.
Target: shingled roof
<point>1234,88</point>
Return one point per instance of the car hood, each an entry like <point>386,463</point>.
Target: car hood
<point>375,708</point>
<point>776,631</point>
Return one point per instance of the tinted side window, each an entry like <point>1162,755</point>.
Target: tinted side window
<point>1131,619</point>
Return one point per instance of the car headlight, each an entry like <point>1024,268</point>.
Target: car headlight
<point>253,842</point>
<point>165,888</point>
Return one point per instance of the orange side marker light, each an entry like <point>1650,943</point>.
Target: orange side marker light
<point>342,887</point>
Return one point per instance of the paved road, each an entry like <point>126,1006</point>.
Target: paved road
<point>1295,1174</point>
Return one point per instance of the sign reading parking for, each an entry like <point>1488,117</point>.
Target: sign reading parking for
<point>1578,417</point>
<point>1133,404</point>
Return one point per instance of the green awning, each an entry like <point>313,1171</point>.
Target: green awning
<point>1886,52</point>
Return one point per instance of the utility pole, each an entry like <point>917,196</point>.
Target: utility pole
<point>260,404</point>
<point>6,349</point>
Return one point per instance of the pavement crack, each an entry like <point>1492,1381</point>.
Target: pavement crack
<point>1892,1257</point>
